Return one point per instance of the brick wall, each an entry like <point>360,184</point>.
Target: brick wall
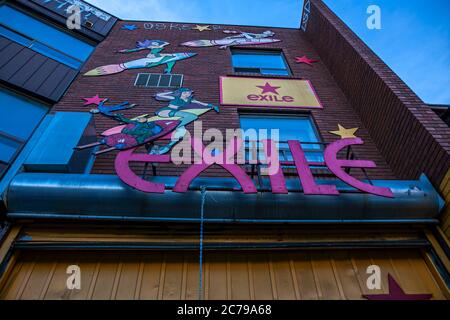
<point>410,136</point>
<point>202,74</point>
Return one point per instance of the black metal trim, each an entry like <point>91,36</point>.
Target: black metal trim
<point>73,217</point>
<point>440,267</point>
<point>378,244</point>
<point>4,231</point>
<point>6,260</point>
<point>441,242</point>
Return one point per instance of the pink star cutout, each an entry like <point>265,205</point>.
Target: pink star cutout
<point>306,60</point>
<point>396,293</point>
<point>94,100</point>
<point>268,88</point>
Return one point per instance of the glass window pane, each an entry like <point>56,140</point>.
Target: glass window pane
<point>314,156</point>
<point>19,116</point>
<point>44,33</point>
<point>165,80</point>
<point>281,72</point>
<point>8,149</point>
<point>176,80</point>
<point>2,168</point>
<point>289,128</point>
<point>142,79</point>
<point>15,36</point>
<point>55,55</point>
<point>261,60</point>
<point>153,81</point>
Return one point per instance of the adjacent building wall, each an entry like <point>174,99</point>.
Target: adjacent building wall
<point>28,70</point>
<point>410,136</point>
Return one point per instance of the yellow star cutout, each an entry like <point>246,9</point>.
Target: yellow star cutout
<point>202,28</point>
<point>345,133</point>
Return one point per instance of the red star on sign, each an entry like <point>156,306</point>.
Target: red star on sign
<point>306,60</point>
<point>268,88</point>
<point>396,293</point>
<point>94,100</point>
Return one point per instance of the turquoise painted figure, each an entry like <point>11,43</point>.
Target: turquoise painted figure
<point>153,59</point>
<point>135,132</point>
<point>185,108</point>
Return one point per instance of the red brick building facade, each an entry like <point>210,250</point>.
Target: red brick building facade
<point>126,257</point>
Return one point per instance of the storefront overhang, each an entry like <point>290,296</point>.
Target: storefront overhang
<point>106,197</point>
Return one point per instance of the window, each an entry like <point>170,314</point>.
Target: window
<point>43,38</point>
<point>18,119</point>
<point>157,80</point>
<point>260,61</point>
<point>9,146</point>
<point>298,128</point>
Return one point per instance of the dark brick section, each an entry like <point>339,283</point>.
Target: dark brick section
<point>411,137</point>
<point>443,111</point>
<point>202,74</point>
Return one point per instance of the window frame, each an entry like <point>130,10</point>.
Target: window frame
<point>287,115</point>
<point>20,142</point>
<point>31,43</point>
<point>55,26</point>
<point>261,52</point>
<point>4,166</point>
<point>159,80</point>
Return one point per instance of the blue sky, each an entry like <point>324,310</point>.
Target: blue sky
<point>414,40</point>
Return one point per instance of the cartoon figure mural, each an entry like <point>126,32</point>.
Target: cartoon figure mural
<point>182,107</point>
<point>154,58</point>
<point>182,110</point>
<point>133,133</point>
<point>240,38</point>
<point>108,110</point>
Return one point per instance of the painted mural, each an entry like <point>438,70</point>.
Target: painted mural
<point>238,38</point>
<point>169,123</point>
<point>181,110</point>
<point>182,107</point>
<point>153,59</point>
<point>160,26</point>
<point>129,27</point>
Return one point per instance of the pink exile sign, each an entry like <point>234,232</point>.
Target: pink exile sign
<point>277,180</point>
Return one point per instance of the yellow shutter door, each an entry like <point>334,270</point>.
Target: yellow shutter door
<point>231,275</point>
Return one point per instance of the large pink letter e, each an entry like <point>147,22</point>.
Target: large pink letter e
<point>335,165</point>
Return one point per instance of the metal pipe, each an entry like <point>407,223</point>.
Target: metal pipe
<point>105,197</point>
